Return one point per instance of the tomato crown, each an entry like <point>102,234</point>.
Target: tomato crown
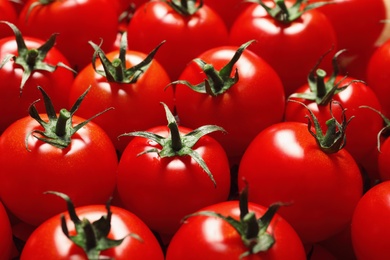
<point>185,7</point>
<point>31,59</point>
<point>217,82</point>
<point>177,144</point>
<point>59,129</point>
<point>91,237</point>
<point>253,232</point>
<point>116,70</point>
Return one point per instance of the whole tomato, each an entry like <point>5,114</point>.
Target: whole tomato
<point>189,28</point>
<point>6,243</point>
<point>116,234</point>
<point>234,88</point>
<point>76,24</point>
<point>369,223</point>
<point>135,88</point>
<point>25,64</point>
<point>169,172</point>
<point>285,32</point>
<point>294,163</point>
<point>60,152</point>
<point>233,230</point>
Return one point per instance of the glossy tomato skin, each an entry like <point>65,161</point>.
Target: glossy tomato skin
<point>56,84</point>
<point>284,163</point>
<point>186,36</point>
<point>362,131</point>
<point>383,160</point>
<point>256,101</point>
<point>6,243</point>
<point>213,238</point>
<point>86,170</point>
<point>161,191</point>
<point>134,104</point>
<point>78,15</point>
<point>49,242</point>
<point>369,223</point>
<point>310,36</point>
<point>7,13</point>
<point>228,9</point>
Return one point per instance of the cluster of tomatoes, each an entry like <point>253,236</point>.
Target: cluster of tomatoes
<point>190,129</point>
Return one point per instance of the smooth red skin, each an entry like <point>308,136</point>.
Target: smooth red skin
<point>161,191</point>
<point>186,37</point>
<point>49,242</point>
<point>6,243</point>
<point>370,227</point>
<point>362,131</point>
<point>56,84</point>
<point>318,252</point>
<point>228,9</point>
<point>378,76</point>
<point>86,170</point>
<point>298,172</point>
<point>135,105</point>
<point>7,13</point>
<point>76,24</point>
<point>340,244</point>
<point>383,160</point>
<point>283,46</point>
<point>256,101</point>
<point>213,238</point>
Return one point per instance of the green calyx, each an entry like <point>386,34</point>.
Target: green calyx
<point>59,130</point>
<point>31,59</point>
<point>91,237</point>
<point>335,137</point>
<point>116,70</point>
<point>185,7</point>
<point>253,231</point>
<point>177,144</point>
<point>287,15</point>
<point>217,82</point>
<point>322,91</point>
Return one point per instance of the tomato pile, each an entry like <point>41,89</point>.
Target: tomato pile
<point>194,129</point>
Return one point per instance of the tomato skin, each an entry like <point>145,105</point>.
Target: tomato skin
<point>56,84</point>
<point>243,110</point>
<point>134,104</point>
<point>311,36</point>
<point>86,170</point>
<point>49,242</point>
<point>298,172</point>
<point>7,13</point>
<point>78,15</point>
<point>161,191</point>
<point>186,37</point>
<point>213,238</point>
<point>6,243</point>
<point>362,131</point>
<point>369,223</point>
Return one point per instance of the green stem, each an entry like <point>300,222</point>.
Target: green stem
<point>63,118</point>
<point>117,64</point>
<point>32,56</point>
<point>177,143</point>
<point>321,87</point>
<point>217,81</point>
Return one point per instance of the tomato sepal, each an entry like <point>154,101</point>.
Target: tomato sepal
<point>185,7</point>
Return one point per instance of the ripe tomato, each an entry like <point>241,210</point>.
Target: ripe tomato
<point>48,241</point>
<point>6,242</point>
<point>209,234</point>
<point>135,96</point>
<point>161,180</point>
<point>20,79</point>
<point>309,35</point>
<point>82,164</point>
<point>186,34</point>
<point>42,18</point>
<point>369,223</point>
<point>248,96</point>
<point>300,173</point>
<point>7,13</point>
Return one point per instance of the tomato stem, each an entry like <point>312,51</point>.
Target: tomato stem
<point>62,122</point>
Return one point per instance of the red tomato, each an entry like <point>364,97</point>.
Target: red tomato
<point>283,44</point>
<point>85,169</point>
<point>249,105</point>
<point>208,237</point>
<point>369,224</point>
<point>6,242</point>
<point>285,163</point>
<point>7,13</point>
<point>161,189</point>
<point>14,101</point>
<point>228,9</point>
<point>40,20</point>
<point>186,35</point>
<point>49,242</point>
